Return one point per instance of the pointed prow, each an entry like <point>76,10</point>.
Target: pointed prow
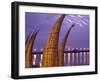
<point>62,47</point>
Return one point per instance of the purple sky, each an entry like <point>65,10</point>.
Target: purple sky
<point>79,35</point>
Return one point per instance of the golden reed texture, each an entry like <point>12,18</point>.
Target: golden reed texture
<point>50,53</point>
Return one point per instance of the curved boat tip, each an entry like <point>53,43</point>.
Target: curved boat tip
<point>28,50</point>
<point>50,53</point>
<point>62,46</point>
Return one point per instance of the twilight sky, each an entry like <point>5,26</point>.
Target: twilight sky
<point>79,35</point>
